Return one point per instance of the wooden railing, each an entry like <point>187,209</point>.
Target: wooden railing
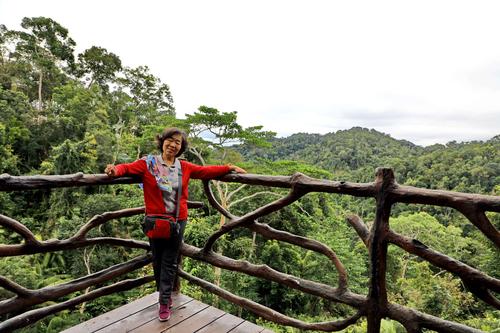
<point>374,306</point>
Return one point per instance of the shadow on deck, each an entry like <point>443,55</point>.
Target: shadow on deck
<point>189,316</point>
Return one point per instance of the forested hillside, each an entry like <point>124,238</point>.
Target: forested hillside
<point>464,167</point>
<point>62,113</point>
<point>342,150</point>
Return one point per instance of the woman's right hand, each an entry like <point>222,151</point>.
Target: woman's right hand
<point>110,170</point>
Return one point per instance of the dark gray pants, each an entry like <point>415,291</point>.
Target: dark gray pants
<point>165,256</point>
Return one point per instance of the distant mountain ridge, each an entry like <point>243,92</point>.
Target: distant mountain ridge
<point>355,153</point>
<point>344,149</point>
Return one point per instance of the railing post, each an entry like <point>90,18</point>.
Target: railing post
<point>377,296</point>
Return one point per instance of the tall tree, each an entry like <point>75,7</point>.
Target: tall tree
<point>212,130</point>
<point>45,46</point>
<point>14,132</point>
<point>4,80</point>
<point>151,97</point>
<point>99,65</point>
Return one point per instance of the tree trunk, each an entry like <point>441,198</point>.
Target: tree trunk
<point>254,244</point>
<point>86,261</point>
<point>217,270</point>
<point>40,80</point>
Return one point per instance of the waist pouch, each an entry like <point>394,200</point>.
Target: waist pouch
<point>164,227</point>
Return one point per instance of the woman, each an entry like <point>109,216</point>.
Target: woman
<point>161,176</point>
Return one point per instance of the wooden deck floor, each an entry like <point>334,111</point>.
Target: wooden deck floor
<point>189,316</point>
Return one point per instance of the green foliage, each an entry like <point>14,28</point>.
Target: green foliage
<point>351,150</point>
<point>99,65</point>
<point>211,131</point>
<point>419,285</point>
<point>466,167</point>
<point>198,230</point>
<point>14,108</point>
<point>149,95</point>
<point>223,128</point>
<point>63,320</point>
<point>489,323</point>
<point>428,230</point>
<point>19,269</point>
<point>51,36</point>
<point>42,49</point>
<point>438,294</point>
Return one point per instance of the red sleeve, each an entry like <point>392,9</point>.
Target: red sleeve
<point>205,172</point>
<point>135,168</point>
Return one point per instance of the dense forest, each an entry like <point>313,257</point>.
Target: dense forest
<point>63,112</point>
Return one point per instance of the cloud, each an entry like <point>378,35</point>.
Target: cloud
<point>419,71</point>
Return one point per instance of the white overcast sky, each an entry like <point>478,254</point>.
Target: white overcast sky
<point>424,71</point>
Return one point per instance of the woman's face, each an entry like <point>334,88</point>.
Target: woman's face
<point>172,145</point>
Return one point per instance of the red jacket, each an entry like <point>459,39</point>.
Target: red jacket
<point>153,198</point>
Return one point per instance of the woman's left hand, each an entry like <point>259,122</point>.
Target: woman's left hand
<point>110,170</point>
<point>236,169</point>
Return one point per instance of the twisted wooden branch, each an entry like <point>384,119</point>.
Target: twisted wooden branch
<point>19,228</point>
<point>307,243</point>
<point>211,198</point>
<point>296,193</point>
<point>26,298</point>
<point>268,313</point>
<point>481,221</point>
<point>415,195</point>
<point>377,245</point>
<point>13,288</point>
<point>476,281</point>
<point>399,193</point>
<point>311,184</point>
<point>18,183</point>
<point>78,240</point>
<point>265,272</point>
<point>271,233</point>
<point>97,220</point>
<point>413,320</point>
<point>471,276</point>
<point>32,316</point>
<point>465,272</point>
<point>58,245</point>
<point>359,226</point>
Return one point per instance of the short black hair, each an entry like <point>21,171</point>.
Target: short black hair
<point>169,132</point>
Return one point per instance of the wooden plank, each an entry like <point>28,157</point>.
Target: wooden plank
<point>189,315</point>
<point>179,300</point>
<point>267,330</point>
<point>142,316</point>
<point>180,314</point>
<point>222,324</point>
<point>247,327</point>
<point>197,321</point>
<point>112,316</point>
<point>127,324</point>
